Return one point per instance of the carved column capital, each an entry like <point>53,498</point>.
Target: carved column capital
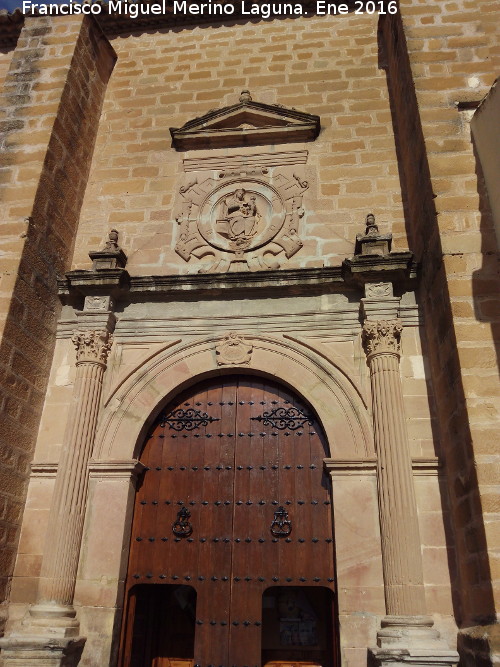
<point>382,336</point>
<point>92,346</point>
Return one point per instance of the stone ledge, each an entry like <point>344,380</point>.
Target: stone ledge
<point>420,466</point>
<point>353,274</point>
<point>41,651</point>
<point>119,284</point>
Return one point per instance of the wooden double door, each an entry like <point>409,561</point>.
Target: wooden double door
<point>232,533</point>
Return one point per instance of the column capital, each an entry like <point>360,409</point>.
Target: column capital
<point>92,346</point>
<point>382,337</point>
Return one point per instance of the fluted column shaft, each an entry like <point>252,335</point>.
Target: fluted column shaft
<point>64,534</point>
<point>401,550</point>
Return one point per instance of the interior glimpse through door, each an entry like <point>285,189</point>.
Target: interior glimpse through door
<point>234,503</point>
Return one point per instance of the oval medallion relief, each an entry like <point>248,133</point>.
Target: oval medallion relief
<point>236,219</point>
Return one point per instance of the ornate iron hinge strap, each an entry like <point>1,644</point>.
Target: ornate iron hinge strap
<point>284,418</point>
<point>281,525</point>
<point>188,420</point>
<point>181,526</point>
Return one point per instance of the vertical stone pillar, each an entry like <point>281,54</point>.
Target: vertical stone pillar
<point>407,636</point>
<point>64,533</point>
<point>402,561</point>
<point>49,636</point>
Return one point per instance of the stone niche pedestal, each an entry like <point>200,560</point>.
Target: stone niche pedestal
<point>410,640</point>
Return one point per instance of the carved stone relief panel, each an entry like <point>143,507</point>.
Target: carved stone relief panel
<point>241,216</point>
<point>233,350</point>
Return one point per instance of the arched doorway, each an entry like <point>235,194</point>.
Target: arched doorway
<point>234,501</point>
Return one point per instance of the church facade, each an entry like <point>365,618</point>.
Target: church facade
<point>249,354</point>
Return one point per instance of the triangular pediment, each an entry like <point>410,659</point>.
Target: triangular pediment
<point>248,123</point>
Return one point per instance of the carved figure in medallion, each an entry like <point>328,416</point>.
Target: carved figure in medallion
<point>239,219</point>
<point>240,222</point>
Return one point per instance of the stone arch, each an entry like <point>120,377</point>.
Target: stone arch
<point>135,402</point>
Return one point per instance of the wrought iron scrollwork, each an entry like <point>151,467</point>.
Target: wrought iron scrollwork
<point>187,420</point>
<point>284,418</point>
<point>181,526</point>
<point>281,525</point>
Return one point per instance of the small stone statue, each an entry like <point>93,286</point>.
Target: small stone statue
<point>112,243</point>
<point>372,242</point>
<point>245,96</point>
<point>371,227</point>
<point>111,256</point>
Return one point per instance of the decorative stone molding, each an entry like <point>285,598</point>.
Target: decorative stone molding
<point>92,346</point>
<point>378,290</point>
<point>98,303</point>
<point>243,218</point>
<point>335,397</point>
<point>233,350</point>
<point>421,467</point>
<point>353,467</point>
<point>247,123</point>
<point>116,469</point>
<point>382,337</point>
<point>241,164</point>
<point>44,470</point>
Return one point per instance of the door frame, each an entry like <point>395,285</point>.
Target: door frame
<point>132,403</point>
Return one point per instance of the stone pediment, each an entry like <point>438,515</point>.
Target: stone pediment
<point>247,123</point>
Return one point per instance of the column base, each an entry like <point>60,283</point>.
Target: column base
<point>38,651</point>
<point>410,640</point>
<point>54,620</point>
<point>48,637</point>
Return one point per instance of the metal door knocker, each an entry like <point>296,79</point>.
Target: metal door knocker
<point>181,526</point>
<point>281,525</point>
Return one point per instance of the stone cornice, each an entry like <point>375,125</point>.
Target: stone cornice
<point>396,267</point>
<point>125,287</point>
<point>248,123</point>
<point>121,286</point>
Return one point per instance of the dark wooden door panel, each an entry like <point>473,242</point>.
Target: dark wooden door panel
<point>224,457</point>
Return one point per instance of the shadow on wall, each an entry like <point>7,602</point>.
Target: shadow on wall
<point>471,587</point>
<point>486,280</point>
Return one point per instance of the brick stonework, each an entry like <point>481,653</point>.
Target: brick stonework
<point>53,94</point>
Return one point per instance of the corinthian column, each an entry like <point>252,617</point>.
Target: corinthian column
<point>401,551</point>
<point>64,533</point>
<point>407,636</point>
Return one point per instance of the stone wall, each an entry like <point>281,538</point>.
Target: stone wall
<point>450,230</point>
<point>5,57</point>
<point>53,93</point>
<point>323,65</point>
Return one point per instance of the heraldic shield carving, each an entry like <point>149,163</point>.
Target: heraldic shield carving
<point>244,220</point>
